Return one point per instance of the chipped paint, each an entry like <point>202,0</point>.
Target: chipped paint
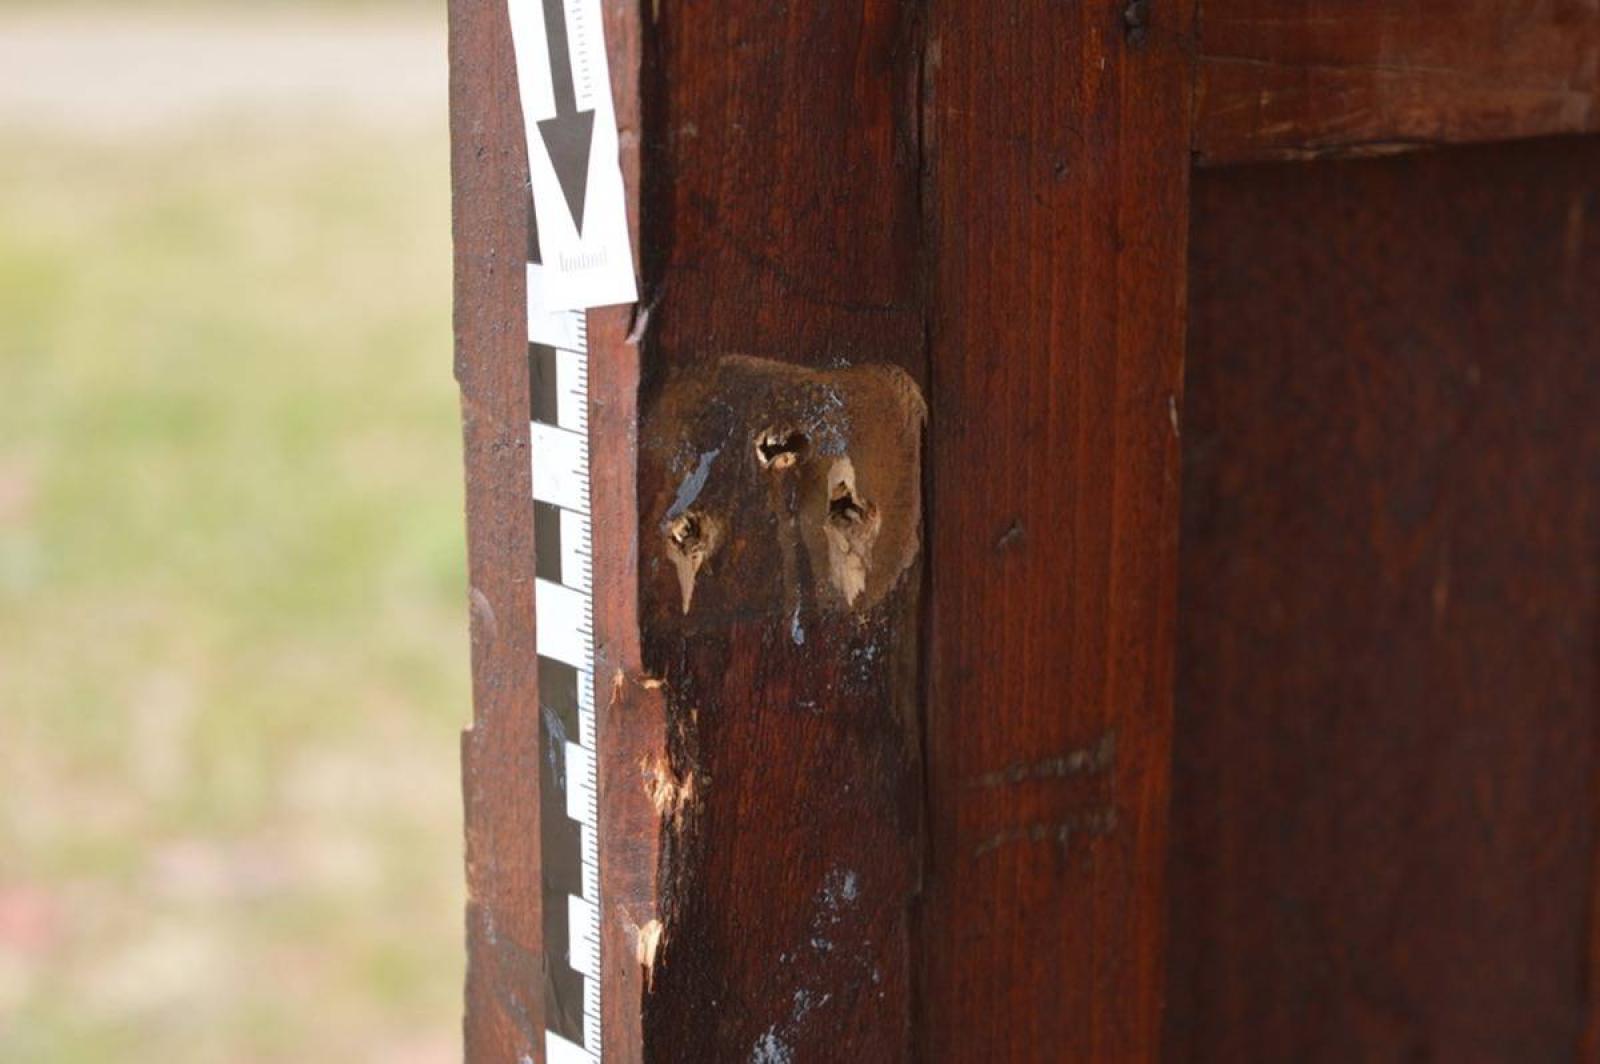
<point>693,484</point>
<point>770,1049</point>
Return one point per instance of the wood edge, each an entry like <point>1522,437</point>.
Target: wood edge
<point>504,1002</point>
<point>630,707</point>
<point>1387,111</point>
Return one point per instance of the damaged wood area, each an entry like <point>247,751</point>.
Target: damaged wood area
<point>780,533</point>
<point>780,540</point>
<point>802,485</point>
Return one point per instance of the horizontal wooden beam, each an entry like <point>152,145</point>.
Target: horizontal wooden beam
<point>1335,77</point>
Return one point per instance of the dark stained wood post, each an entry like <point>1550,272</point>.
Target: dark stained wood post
<point>783,240</point>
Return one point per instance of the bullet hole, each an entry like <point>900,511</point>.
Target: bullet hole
<point>692,537</point>
<point>781,448</point>
<point>685,531</point>
<point>851,529</point>
<point>843,506</point>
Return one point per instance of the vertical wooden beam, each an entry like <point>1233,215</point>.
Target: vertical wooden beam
<point>631,709</point>
<point>500,752</point>
<point>782,242</point>
<point>1057,141</point>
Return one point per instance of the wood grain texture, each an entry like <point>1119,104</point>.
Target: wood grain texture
<point>780,224</point>
<point>1057,144</point>
<point>500,752</point>
<point>1329,76</point>
<point>806,178</point>
<point>1389,671</point>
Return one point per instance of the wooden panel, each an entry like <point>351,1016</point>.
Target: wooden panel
<point>1384,807</point>
<point>1058,162</point>
<point>500,752</point>
<point>1333,76</point>
<point>782,242</point>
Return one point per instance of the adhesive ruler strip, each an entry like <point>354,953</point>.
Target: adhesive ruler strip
<point>558,362</point>
<point>579,256</point>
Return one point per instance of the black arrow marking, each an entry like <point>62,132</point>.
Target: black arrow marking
<point>569,136</point>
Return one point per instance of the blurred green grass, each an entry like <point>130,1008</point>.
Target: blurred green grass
<point>233,654</point>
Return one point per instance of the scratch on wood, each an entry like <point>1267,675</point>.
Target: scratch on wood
<point>1087,760</point>
<point>1095,823</point>
<point>1011,537</point>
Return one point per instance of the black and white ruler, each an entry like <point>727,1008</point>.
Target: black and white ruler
<point>564,591</point>
<point>581,258</point>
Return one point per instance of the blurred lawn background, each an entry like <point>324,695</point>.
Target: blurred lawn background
<point>233,650</point>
